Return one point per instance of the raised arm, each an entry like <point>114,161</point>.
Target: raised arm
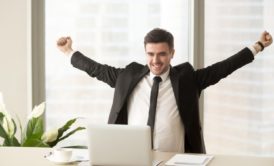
<point>105,73</point>
<point>214,73</point>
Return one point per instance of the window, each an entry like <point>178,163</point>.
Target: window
<point>239,111</point>
<point>110,32</point>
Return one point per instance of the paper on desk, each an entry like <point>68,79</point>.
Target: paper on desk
<point>189,160</point>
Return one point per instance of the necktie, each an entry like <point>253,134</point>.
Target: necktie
<point>153,104</point>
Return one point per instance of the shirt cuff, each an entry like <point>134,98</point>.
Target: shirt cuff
<point>70,55</point>
<point>253,50</point>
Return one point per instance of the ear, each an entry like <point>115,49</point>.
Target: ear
<point>172,53</point>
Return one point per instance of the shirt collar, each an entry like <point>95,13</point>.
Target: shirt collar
<point>163,76</point>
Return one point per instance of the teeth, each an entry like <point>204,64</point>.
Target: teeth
<point>157,65</point>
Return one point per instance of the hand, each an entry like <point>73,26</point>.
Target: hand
<point>266,39</point>
<point>64,44</point>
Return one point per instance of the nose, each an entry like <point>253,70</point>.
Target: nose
<point>155,59</point>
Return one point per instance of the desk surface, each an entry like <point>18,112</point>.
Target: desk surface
<point>14,156</point>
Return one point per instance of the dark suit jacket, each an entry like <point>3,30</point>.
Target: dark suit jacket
<point>187,85</point>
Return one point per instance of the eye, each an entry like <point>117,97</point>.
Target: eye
<point>150,54</point>
<point>162,53</point>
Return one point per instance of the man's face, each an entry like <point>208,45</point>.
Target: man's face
<point>158,57</point>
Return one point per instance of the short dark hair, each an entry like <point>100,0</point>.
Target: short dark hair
<point>158,35</point>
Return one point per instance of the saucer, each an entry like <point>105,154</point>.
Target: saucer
<point>59,162</point>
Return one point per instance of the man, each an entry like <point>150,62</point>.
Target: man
<point>175,124</point>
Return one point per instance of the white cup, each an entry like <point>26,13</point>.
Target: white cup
<point>62,154</point>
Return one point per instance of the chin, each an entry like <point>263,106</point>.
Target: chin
<point>157,73</point>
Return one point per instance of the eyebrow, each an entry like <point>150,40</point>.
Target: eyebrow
<point>163,52</point>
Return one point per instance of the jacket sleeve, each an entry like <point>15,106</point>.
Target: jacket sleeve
<point>105,73</point>
<point>214,73</point>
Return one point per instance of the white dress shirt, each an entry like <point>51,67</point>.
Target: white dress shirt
<point>168,131</point>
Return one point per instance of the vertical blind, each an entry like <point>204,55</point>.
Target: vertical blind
<point>239,111</point>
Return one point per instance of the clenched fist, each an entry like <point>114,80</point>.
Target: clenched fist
<point>266,39</point>
<point>64,44</point>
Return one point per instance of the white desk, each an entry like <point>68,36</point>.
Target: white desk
<point>14,156</point>
<point>228,160</point>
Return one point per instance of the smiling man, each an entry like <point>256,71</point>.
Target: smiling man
<point>162,96</point>
<point>158,57</point>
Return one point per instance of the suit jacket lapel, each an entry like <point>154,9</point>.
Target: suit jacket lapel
<point>175,84</point>
<point>125,89</point>
<point>137,77</point>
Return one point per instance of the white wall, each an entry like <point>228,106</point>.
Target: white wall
<point>15,62</point>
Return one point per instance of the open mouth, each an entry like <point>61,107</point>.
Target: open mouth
<point>157,66</point>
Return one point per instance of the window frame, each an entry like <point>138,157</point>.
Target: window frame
<point>38,51</point>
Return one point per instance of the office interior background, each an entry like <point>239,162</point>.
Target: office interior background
<point>237,113</point>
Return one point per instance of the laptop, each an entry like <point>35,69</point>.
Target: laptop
<point>119,145</point>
